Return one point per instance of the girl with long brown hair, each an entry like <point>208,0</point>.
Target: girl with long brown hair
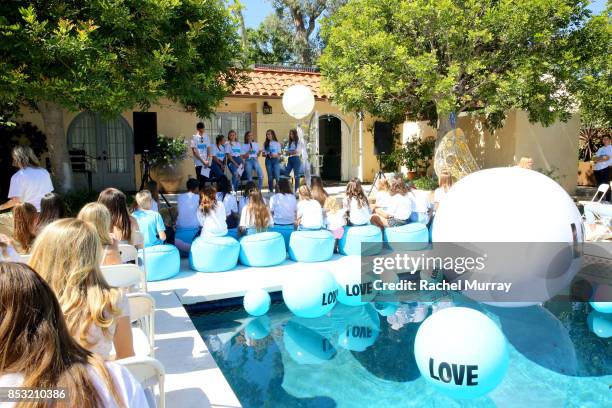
<point>37,350</point>
<point>211,214</point>
<point>233,150</point>
<point>123,225</point>
<point>317,191</point>
<point>25,226</point>
<point>294,161</point>
<point>356,203</point>
<point>255,216</point>
<point>272,151</point>
<point>51,208</point>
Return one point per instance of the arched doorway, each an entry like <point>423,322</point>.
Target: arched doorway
<point>109,143</point>
<point>330,147</point>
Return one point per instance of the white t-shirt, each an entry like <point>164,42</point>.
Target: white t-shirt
<point>284,208</point>
<point>274,148</point>
<point>382,199</point>
<point>233,149</point>
<point>187,204</point>
<point>335,220</point>
<point>251,148</point>
<point>218,152</point>
<point>439,194</point>
<point>201,143</point>
<point>30,185</point>
<point>357,215</point>
<point>229,202</point>
<point>213,224</point>
<point>247,219</point>
<point>420,201</point>
<point>400,206</point>
<point>128,388</point>
<point>604,151</point>
<point>102,345</point>
<point>310,214</point>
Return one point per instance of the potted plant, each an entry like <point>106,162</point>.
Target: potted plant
<point>164,161</point>
<point>589,142</point>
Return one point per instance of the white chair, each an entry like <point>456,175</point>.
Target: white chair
<point>125,276</point>
<point>149,372</point>
<point>128,253</point>
<point>142,311</point>
<point>25,258</point>
<point>602,190</point>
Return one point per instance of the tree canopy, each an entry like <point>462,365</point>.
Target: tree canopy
<point>421,59</point>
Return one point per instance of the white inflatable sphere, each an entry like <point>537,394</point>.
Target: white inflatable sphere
<point>520,206</point>
<point>256,302</point>
<point>354,288</point>
<point>310,291</point>
<point>600,324</point>
<point>461,352</point>
<point>298,101</point>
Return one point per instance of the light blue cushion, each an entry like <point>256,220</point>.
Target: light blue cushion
<point>186,235</point>
<point>354,236</point>
<point>214,254</point>
<point>285,231</point>
<point>262,249</point>
<point>161,262</point>
<point>409,237</point>
<point>311,246</point>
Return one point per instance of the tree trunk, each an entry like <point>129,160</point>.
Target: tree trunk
<point>444,126</point>
<point>53,117</point>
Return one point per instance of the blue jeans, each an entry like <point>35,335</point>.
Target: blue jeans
<point>253,164</point>
<point>215,170</point>
<point>273,170</point>
<point>234,170</point>
<point>294,163</point>
<point>592,211</point>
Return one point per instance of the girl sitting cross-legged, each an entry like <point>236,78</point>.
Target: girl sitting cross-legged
<point>309,211</point>
<point>255,216</point>
<point>356,204</point>
<point>68,254</point>
<point>211,214</point>
<point>283,204</point>
<point>398,209</point>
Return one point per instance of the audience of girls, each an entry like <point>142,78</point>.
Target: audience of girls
<point>310,214</point>
<point>272,151</point>
<point>211,214</point>
<point>255,216</point>
<point>356,204</point>
<point>124,225</point>
<point>100,219</point>
<point>283,204</point>
<point>225,196</point>
<point>25,226</point>
<point>250,153</point>
<point>51,209</point>
<point>233,151</point>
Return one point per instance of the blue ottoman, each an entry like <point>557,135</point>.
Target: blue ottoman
<point>233,233</point>
<point>285,231</point>
<point>311,246</point>
<point>409,237</point>
<point>186,235</point>
<point>262,249</point>
<point>370,235</point>
<point>214,254</point>
<point>161,262</point>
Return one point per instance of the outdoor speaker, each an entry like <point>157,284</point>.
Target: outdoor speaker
<point>383,138</point>
<point>145,131</point>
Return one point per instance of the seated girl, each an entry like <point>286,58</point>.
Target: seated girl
<point>356,204</point>
<point>99,217</point>
<point>255,216</point>
<point>150,223</point>
<point>68,254</point>
<point>211,214</point>
<point>37,349</point>
<point>309,211</point>
<point>225,196</point>
<point>399,207</point>
<point>444,182</point>
<point>421,206</point>
<point>283,204</point>
<point>153,187</point>
<point>335,217</point>
<point>25,226</point>
<point>244,200</point>
<point>317,191</point>
<point>382,195</point>
<point>125,227</point>
<point>8,253</point>
<point>51,208</point>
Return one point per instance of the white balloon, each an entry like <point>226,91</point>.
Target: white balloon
<point>298,101</point>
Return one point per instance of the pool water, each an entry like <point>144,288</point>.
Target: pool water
<point>356,357</point>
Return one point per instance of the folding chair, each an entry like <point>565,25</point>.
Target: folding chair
<point>125,276</point>
<point>128,253</point>
<point>149,372</point>
<point>142,311</point>
<point>602,190</point>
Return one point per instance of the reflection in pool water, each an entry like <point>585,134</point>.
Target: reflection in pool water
<point>560,355</point>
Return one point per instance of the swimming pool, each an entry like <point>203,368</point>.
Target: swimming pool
<point>355,357</point>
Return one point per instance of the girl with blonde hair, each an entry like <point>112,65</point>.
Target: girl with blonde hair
<point>445,182</point>
<point>382,195</point>
<point>309,211</point>
<point>335,217</point>
<point>100,219</point>
<point>255,216</point>
<point>37,350</point>
<point>67,254</point>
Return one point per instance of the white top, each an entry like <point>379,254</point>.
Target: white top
<point>234,149</point>
<point>420,201</point>
<point>201,143</point>
<point>218,152</point>
<point>30,185</point>
<point>128,388</point>
<point>382,199</point>
<point>400,206</point>
<point>274,148</point>
<point>102,345</point>
<point>213,224</point>
<point>187,204</point>
<point>604,151</point>
<point>229,202</point>
<point>310,214</point>
<point>335,220</point>
<point>247,219</point>
<point>439,194</point>
<point>251,148</point>
<point>357,215</point>
<point>284,208</point>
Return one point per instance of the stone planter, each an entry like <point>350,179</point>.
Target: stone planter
<point>586,177</point>
<point>170,178</point>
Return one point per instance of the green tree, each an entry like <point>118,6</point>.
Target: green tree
<point>271,42</point>
<point>113,55</point>
<point>422,59</point>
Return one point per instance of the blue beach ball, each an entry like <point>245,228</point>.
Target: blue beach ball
<point>600,324</point>
<point>256,302</point>
<point>310,292</point>
<point>461,352</point>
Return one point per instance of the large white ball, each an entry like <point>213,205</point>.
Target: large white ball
<point>354,287</point>
<point>298,101</point>
<point>310,291</point>
<point>256,302</point>
<point>461,352</point>
<point>518,206</point>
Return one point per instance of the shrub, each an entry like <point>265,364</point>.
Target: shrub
<point>425,183</point>
<point>168,151</point>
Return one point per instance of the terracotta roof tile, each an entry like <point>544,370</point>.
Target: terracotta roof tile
<point>273,82</point>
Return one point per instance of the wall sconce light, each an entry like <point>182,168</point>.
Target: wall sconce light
<point>267,109</point>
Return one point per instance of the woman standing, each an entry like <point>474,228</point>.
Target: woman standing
<point>217,154</point>
<point>294,163</point>
<point>250,152</point>
<point>233,150</point>
<point>272,151</point>
<point>30,183</point>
